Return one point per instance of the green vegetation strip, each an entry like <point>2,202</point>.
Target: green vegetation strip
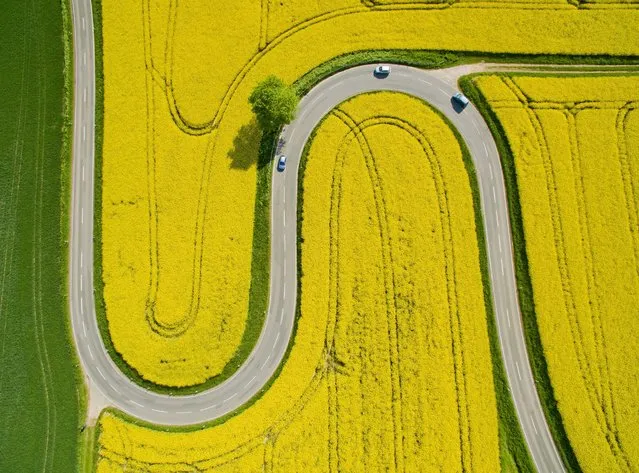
<point>258,293</point>
<point>514,455</point>
<point>524,285</point>
<point>260,269</point>
<point>260,263</point>
<point>41,386</point>
<point>513,452</point>
<point>415,58</point>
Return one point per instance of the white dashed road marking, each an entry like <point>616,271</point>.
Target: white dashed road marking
<point>83,154</point>
<point>250,382</point>
<point>229,398</point>
<point>533,424</point>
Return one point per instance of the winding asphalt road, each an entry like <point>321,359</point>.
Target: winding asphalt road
<point>104,375</point>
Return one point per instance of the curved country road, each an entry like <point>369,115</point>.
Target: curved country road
<point>435,87</point>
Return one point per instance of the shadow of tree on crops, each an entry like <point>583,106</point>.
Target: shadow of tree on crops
<point>246,146</point>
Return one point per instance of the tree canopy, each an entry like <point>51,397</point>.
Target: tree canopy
<point>273,103</point>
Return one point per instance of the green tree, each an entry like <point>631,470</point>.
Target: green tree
<point>273,103</point>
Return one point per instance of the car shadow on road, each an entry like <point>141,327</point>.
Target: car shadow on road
<point>459,108</point>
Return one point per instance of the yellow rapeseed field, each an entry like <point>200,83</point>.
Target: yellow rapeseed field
<point>575,142</point>
<point>391,367</point>
<point>180,142</point>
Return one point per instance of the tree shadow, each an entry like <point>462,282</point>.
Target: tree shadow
<point>246,146</point>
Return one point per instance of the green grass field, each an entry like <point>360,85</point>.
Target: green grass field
<point>42,397</point>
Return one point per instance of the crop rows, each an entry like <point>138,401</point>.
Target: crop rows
<point>554,147</point>
<point>358,129</point>
<point>303,16</point>
<point>41,384</point>
<point>382,349</point>
<point>188,339</point>
<point>177,274</point>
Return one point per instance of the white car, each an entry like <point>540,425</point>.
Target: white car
<point>461,99</point>
<point>382,70</point>
<point>281,163</point>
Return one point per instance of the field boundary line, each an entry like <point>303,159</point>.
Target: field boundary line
<point>629,187</point>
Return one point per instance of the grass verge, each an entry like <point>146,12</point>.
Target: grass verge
<point>259,288</point>
<point>514,455</point>
<point>88,438</point>
<point>258,292</point>
<point>513,452</point>
<point>524,285</point>
<point>428,59</point>
<point>417,58</point>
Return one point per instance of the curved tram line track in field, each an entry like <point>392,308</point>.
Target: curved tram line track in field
<point>434,87</point>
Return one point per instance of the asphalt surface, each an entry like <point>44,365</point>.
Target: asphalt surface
<point>124,394</point>
<point>430,86</point>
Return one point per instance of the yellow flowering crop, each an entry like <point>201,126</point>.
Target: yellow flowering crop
<point>391,368</point>
<point>180,142</point>
<point>575,142</point>
<point>176,258</point>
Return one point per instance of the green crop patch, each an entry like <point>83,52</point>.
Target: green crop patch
<point>41,392</point>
